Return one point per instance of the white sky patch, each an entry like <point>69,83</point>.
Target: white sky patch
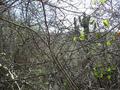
<point>71,9</point>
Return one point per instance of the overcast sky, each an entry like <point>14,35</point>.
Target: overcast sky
<point>79,6</point>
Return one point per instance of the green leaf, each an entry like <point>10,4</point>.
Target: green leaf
<point>106,22</point>
<point>108,77</point>
<point>102,1</point>
<point>82,37</point>
<point>101,75</point>
<point>109,43</point>
<point>96,74</point>
<point>109,69</point>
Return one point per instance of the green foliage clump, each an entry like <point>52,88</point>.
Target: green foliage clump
<point>80,38</point>
<point>104,72</point>
<point>102,1</point>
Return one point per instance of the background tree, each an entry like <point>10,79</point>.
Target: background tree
<point>48,46</point>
